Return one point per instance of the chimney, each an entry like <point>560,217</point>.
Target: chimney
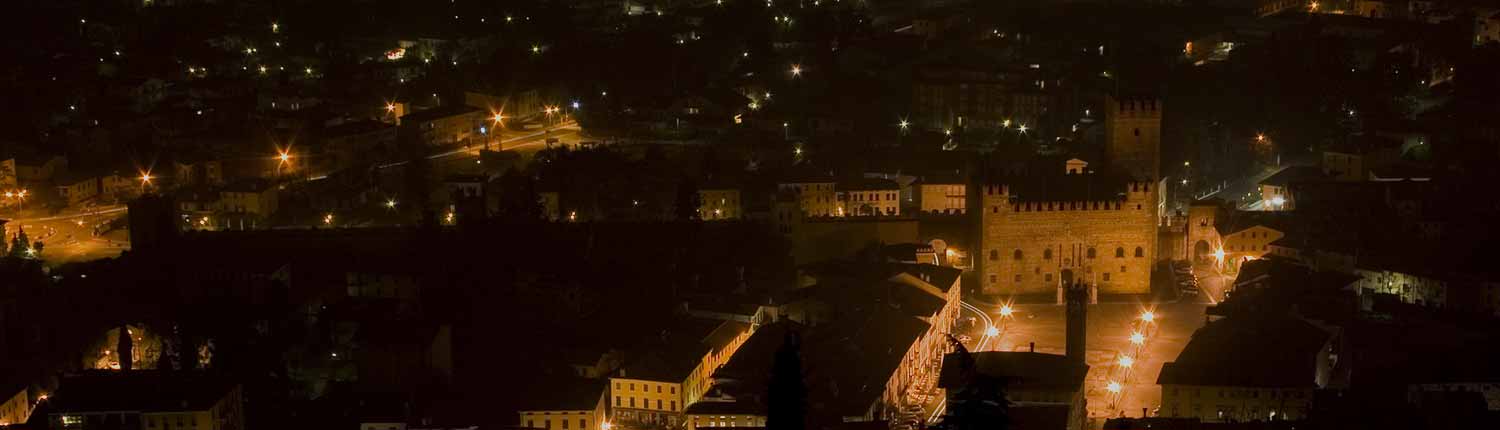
<point>1077,296</point>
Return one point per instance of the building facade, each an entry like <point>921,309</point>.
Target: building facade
<point>16,408</point>
<point>588,411</point>
<point>943,198</point>
<point>1226,403</point>
<point>719,204</point>
<point>1037,245</point>
<point>1133,128</point>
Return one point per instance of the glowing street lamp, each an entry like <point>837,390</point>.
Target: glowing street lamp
<point>1219,254</point>
<point>1006,311</point>
<point>1005,124</point>
<point>390,204</point>
<point>328,219</point>
<point>606,426</point>
<point>1260,137</point>
<point>1137,338</point>
<point>992,331</point>
<point>796,70</point>
<point>1022,129</point>
<point>390,107</point>
<point>1113,387</point>
<point>1148,316</point>
<point>1126,361</point>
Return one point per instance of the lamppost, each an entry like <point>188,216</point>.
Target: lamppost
<point>282,158</point>
<point>901,128</point>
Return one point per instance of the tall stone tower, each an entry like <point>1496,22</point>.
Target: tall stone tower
<point>1133,128</point>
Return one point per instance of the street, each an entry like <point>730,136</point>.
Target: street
<point>68,237</point>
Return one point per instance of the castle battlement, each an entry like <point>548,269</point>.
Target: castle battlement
<point>1132,191</point>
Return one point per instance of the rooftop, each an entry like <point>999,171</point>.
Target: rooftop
<point>1024,370</point>
<point>438,113</point>
<point>141,390</point>
<point>567,393</point>
<point>1293,174</point>
<point>1238,352</point>
<point>867,184</point>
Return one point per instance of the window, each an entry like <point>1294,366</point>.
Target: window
<point>1047,254</point>
<point>674,390</point>
<point>658,389</point>
<point>1048,278</point>
<point>658,404</point>
<point>530,424</point>
<point>1018,278</point>
<point>995,254</point>
<point>1106,276</point>
<point>1122,269</point>
<point>546,423</point>
<point>632,386</point>
<point>1139,252</point>
<point>1016,255</point>
<point>617,400</point>
<point>1119,252</point>
<point>632,402</point>
<point>994,278</point>
<point>1091,252</point>
<point>583,424</point>
<point>674,405</point>
<point>564,423</point>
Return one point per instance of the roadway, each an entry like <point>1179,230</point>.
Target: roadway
<point>69,237</point>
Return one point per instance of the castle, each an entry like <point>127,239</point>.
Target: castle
<point>1067,224</point>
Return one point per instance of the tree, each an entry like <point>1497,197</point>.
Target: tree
<point>787,396</point>
<point>18,244</point>
<point>688,200</point>
<point>125,348</point>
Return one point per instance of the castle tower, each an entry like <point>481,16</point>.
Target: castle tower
<point>1133,129</point>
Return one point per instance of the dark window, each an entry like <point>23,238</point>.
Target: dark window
<point>1122,269</point>
<point>1091,252</point>
<point>1119,252</point>
<point>1137,132</point>
<point>1106,276</point>
<point>674,390</point>
<point>583,424</point>
<point>994,278</point>
<point>1017,255</point>
<point>1140,252</point>
<point>658,389</point>
<point>1018,278</point>
<point>994,254</point>
<point>564,423</point>
<point>658,404</point>
<point>1047,254</point>
<point>674,405</point>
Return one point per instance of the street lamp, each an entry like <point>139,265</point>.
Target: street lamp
<point>796,70</point>
<point>1137,338</point>
<point>992,331</point>
<point>606,426</point>
<point>1148,316</point>
<point>1126,361</point>
<point>328,219</point>
<point>390,204</point>
<point>1006,311</point>
<point>1113,387</point>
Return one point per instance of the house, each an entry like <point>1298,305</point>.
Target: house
<point>441,126</point>
<point>719,202</point>
<point>147,400</point>
<point>29,170</point>
<point>251,196</point>
<point>942,194</point>
<point>869,197</point>
<point>569,404</point>
<point>721,409</point>
<point>15,404</point>
<point>355,144</point>
<point>1036,385</point>
<point>1227,372</point>
<point>76,188</point>
<point>812,190</point>
<point>669,374</point>
<point>1275,193</point>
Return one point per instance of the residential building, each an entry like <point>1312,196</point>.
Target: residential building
<point>15,404</point>
<point>249,196</point>
<point>942,197</point>
<point>868,197</point>
<point>955,96</point>
<point>32,170</point>
<point>668,375</point>
<point>354,144</point>
<point>442,126</point>
<point>198,172</point>
<point>1045,384</point>
<point>724,410</point>
<point>719,204</point>
<point>813,191</point>
<point>146,400</point>
<point>76,188</point>
<point>1276,190</point>
<point>116,187</point>
<point>1248,243</point>
<point>570,404</point>
<point>1227,373</point>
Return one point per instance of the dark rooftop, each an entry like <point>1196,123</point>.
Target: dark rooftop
<point>248,185</point>
<point>566,393</point>
<point>141,390</point>
<point>1246,351</point>
<point>1023,370</point>
<point>867,184</point>
<point>1293,174</point>
<point>438,112</point>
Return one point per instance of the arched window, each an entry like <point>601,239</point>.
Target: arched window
<point>1091,252</point>
<point>1119,252</point>
<point>1140,252</point>
<point>994,254</point>
<point>1016,255</point>
<point>1047,254</point>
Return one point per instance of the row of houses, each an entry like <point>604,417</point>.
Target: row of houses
<point>866,342</point>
